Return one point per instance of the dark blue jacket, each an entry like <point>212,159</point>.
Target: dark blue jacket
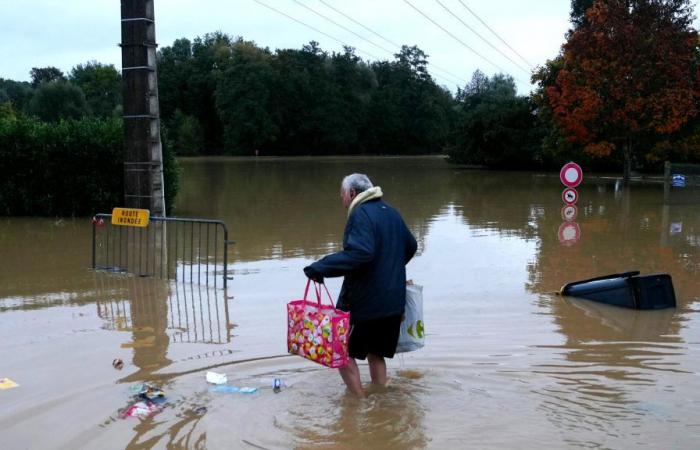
<point>376,247</point>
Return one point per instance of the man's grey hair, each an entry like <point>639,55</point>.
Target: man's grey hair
<point>358,181</point>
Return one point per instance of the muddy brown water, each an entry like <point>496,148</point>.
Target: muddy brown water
<point>507,363</point>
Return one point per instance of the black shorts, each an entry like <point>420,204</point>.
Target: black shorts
<point>377,336</point>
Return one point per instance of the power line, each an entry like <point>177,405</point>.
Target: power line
<point>457,77</point>
<point>481,37</point>
<point>495,34</point>
<point>339,25</point>
<point>460,41</point>
<point>358,23</point>
<point>453,36</point>
<point>311,27</point>
<point>326,34</point>
<point>362,37</point>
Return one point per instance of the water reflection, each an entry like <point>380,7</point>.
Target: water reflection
<point>625,231</point>
<point>280,208</point>
<point>610,365</point>
<point>193,313</point>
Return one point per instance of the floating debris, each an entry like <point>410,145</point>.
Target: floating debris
<point>141,410</point>
<point>6,383</point>
<point>148,392</point>
<point>216,378</point>
<point>234,389</point>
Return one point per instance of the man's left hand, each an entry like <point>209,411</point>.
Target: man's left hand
<point>310,272</point>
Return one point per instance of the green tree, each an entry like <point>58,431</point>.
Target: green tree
<point>7,112</point>
<point>101,84</point>
<point>408,113</point>
<point>496,127</point>
<point>58,100</point>
<point>174,67</point>
<point>302,101</point>
<point>210,55</point>
<point>351,84</point>
<point>303,90</point>
<point>244,100</point>
<point>184,135</point>
<point>45,75</point>
<point>19,93</point>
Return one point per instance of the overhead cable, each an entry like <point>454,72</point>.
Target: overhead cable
<point>453,36</point>
<point>481,37</point>
<point>358,23</point>
<point>445,71</point>
<point>326,34</point>
<point>339,25</point>
<point>313,28</point>
<point>495,34</point>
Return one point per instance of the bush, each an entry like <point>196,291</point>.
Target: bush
<point>69,168</point>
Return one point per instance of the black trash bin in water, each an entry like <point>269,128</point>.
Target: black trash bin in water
<point>629,290</point>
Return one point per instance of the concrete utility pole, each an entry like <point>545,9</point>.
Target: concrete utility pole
<point>143,153</point>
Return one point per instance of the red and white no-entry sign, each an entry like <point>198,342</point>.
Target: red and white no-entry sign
<point>569,213</point>
<point>569,233</point>
<point>569,196</point>
<point>571,174</point>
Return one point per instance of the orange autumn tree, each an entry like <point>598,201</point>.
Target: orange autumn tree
<point>629,75</point>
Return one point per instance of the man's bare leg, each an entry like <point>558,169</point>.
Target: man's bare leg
<point>351,377</point>
<point>377,369</point>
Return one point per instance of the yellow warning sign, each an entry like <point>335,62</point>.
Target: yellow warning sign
<point>130,217</point>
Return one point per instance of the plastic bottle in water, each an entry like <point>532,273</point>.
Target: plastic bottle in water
<point>277,384</point>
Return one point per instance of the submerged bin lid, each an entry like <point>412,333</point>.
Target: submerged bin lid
<point>611,284</point>
<point>597,284</point>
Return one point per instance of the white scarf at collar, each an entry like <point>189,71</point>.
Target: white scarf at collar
<point>369,194</point>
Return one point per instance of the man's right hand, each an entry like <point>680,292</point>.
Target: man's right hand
<point>310,272</point>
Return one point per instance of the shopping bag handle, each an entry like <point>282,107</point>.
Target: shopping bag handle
<point>317,289</point>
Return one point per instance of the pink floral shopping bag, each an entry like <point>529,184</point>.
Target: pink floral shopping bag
<point>316,331</point>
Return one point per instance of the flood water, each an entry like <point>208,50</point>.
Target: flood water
<point>507,363</point>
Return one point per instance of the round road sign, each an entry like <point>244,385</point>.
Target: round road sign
<point>569,233</point>
<point>571,174</point>
<point>569,213</point>
<point>569,196</point>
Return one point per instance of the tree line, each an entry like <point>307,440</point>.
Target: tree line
<point>622,93</point>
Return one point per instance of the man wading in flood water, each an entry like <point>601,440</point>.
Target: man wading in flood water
<point>377,245</point>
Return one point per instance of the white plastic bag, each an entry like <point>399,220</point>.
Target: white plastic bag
<point>412,334</point>
<point>216,378</point>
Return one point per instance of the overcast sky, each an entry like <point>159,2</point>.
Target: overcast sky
<point>39,33</point>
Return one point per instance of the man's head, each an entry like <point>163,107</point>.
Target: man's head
<point>352,185</point>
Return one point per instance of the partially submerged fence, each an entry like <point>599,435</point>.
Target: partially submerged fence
<point>183,249</point>
<point>184,312</point>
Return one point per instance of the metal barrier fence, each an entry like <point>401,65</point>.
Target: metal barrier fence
<point>183,249</point>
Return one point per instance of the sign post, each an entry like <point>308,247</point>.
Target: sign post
<point>569,231</point>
